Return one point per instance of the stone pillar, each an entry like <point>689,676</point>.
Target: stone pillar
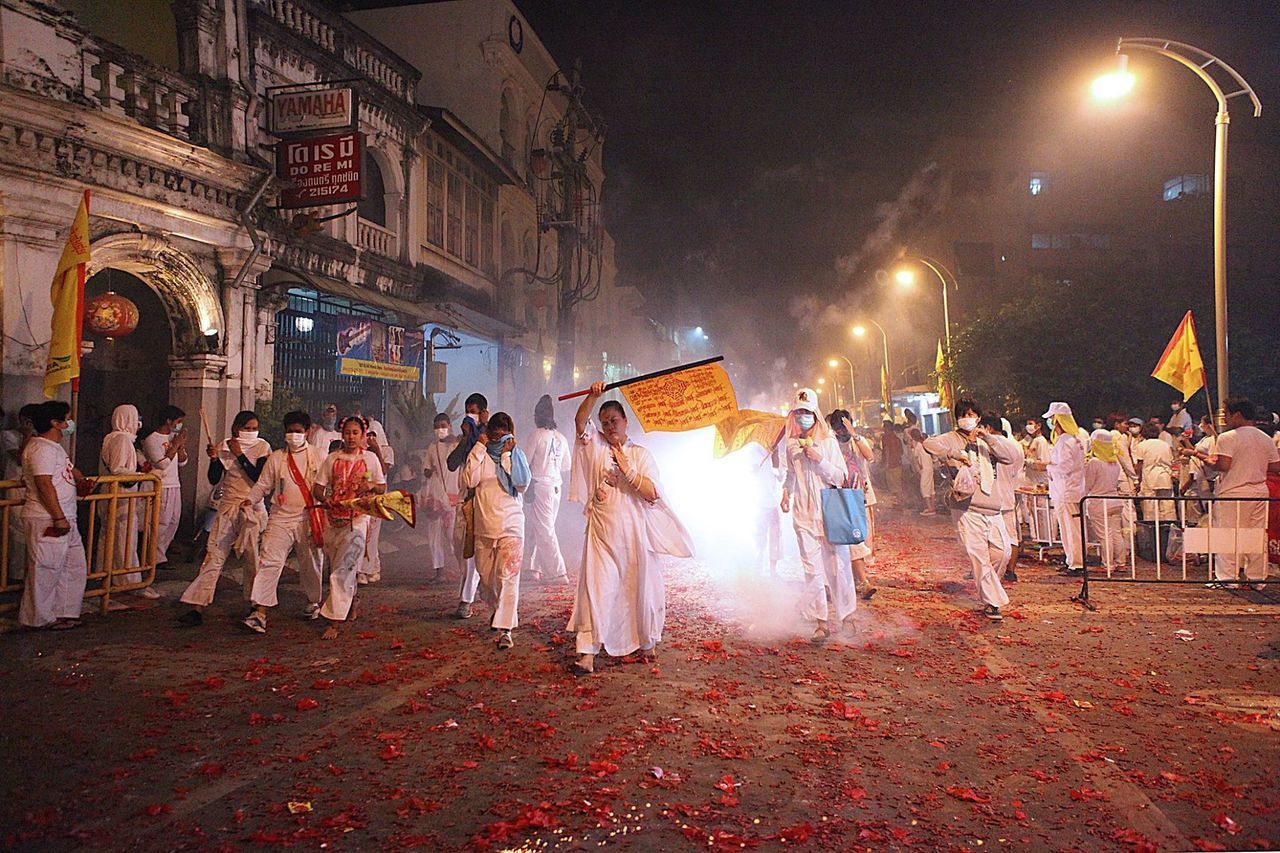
<point>197,382</point>
<point>240,308</point>
<point>31,236</point>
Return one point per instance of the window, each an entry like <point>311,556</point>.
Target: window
<point>472,255</point>
<point>373,207</point>
<point>455,214</point>
<point>486,235</point>
<point>1038,183</point>
<point>435,202</point>
<point>1186,186</point>
<point>977,182</point>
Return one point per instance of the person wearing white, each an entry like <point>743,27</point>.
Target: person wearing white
<point>324,433</point>
<point>1243,458</point>
<point>1066,482</point>
<point>620,604</point>
<point>120,456</point>
<point>499,473</point>
<point>974,454</point>
<point>440,498</point>
<point>1180,420</point>
<point>346,474</point>
<point>1197,479</point>
<point>235,466</point>
<point>1008,476</point>
<point>377,440</point>
<point>288,478</point>
<point>1037,450</point>
<point>165,450</point>
<point>472,425</point>
<point>1105,515</point>
<point>922,462</point>
<point>53,588</point>
<point>813,462</point>
<point>14,441</point>
<point>549,461</point>
<point>1153,462</point>
<point>857,453</point>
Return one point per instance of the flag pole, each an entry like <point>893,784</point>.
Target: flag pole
<point>657,373</point>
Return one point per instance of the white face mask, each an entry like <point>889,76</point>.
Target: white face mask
<point>247,435</point>
<point>295,440</point>
<point>804,420</point>
<point>968,424</point>
<point>177,428</point>
<point>442,433</point>
<point>70,428</point>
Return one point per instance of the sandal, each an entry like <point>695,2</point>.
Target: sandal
<point>330,633</point>
<point>64,625</point>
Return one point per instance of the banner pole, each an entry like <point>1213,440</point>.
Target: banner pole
<point>656,374</point>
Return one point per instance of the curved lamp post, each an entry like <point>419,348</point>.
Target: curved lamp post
<point>1199,62</point>
<point>907,276</point>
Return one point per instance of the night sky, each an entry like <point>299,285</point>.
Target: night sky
<point>749,144</point>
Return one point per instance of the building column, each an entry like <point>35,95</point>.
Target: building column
<point>245,338</point>
<point>197,385</point>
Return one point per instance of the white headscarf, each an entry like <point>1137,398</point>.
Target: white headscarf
<point>118,453</point>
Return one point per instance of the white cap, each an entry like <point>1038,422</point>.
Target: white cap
<point>806,400</point>
<point>1057,409</point>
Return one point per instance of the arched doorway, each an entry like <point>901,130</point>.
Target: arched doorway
<point>130,369</point>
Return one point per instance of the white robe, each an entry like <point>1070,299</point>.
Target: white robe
<point>827,566</point>
<point>119,456</point>
<point>620,604</point>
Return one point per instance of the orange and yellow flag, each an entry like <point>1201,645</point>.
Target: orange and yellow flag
<point>67,295</point>
<point>1181,365</point>
<point>686,400</point>
<point>747,426</point>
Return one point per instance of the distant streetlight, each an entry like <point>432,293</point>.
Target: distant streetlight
<point>1120,82</point>
<point>906,277</point>
<point>853,385</point>
<point>861,330</point>
<point>822,380</point>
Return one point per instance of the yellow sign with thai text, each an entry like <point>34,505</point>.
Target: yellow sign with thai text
<point>688,400</point>
<point>378,370</point>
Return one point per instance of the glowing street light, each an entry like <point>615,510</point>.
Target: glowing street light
<point>1119,83</point>
<point>859,331</point>
<point>822,380</point>
<point>1114,84</point>
<point>853,385</point>
<point>906,277</point>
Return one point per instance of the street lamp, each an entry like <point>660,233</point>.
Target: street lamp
<point>853,385</point>
<point>1119,83</point>
<point>859,331</point>
<point>905,276</point>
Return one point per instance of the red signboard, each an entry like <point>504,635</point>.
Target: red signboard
<point>320,170</point>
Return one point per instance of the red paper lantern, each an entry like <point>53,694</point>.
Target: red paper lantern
<point>110,315</point>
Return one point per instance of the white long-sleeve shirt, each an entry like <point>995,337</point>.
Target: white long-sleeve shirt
<point>497,513</point>
<point>277,480</point>
<point>805,480</point>
<point>1066,470</point>
<point>549,457</point>
<point>156,448</point>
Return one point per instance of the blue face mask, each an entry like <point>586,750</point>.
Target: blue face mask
<point>496,447</point>
<point>805,420</point>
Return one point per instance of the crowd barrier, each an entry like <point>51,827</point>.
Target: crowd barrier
<point>1208,539</point>
<point>120,503</point>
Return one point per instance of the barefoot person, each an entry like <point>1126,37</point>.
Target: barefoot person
<point>499,473</point>
<point>620,604</point>
<point>351,472</point>
<point>549,461</point>
<point>814,462</point>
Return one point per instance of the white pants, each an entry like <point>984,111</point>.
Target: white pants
<point>440,541</point>
<point>827,567</point>
<point>986,540</point>
<point>769,538</point>
<point>545,559</point>
<point>17,540</point>
<point>170,515</point>
<point>371,565</point>
<point>498,565</point>
<point>287,532</point>
<point>1230,515</point>
<point>470,578</point>
<point>1106,527</point>
<point>222,538</point>
<point>344,547</point>
<point>1067,516</point>
<point>56,572</point>
<point>926,485</point>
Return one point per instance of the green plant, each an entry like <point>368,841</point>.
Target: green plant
<point>271,414</point>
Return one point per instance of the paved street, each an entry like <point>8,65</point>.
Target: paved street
<point>929,727</point>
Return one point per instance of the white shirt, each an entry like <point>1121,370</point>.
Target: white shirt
<point>44,458</point>
<point>1181,420</point>
<point>277,478</point>
<point>235,483</point>
<point>1066,470</point>
<point>1007,475</point>
<point>1156,457</point>
<point>322,438</point>
<point>384,442</point>
<point>1101,478</point>
<point>442,485</point>
<point>1251,451</point>
<point>549,459</point>
<point>156,447</point>
<point>498,513</point>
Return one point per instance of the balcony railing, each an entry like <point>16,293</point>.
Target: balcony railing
<point>126,85</point>
<point>374,238</point>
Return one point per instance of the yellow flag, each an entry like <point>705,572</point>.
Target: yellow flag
<point>687,400</point>
<point>1181,365</point>
<point>944,384</point>
<point>747,426</point>
<point>884,392</point>
<point>67,295</point>
<point>386,506</point>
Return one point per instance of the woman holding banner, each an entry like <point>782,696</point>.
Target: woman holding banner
<point>813,462</point>
<point>620,605</point>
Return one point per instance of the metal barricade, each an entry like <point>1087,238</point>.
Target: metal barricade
<point>1034,510</point>
<point>1230,536</point>
<point>122,505</point>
